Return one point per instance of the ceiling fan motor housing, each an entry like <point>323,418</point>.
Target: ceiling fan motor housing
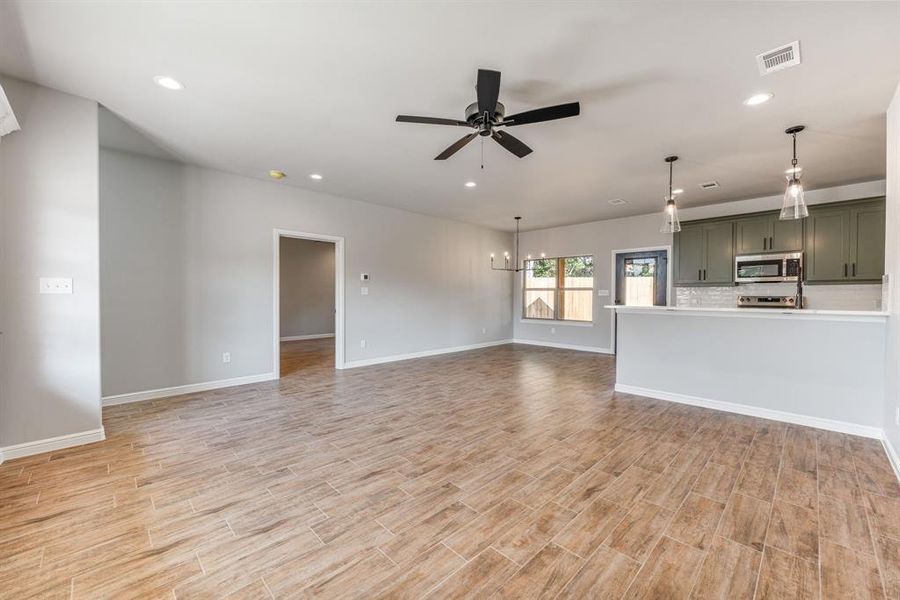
<point>476,119</point>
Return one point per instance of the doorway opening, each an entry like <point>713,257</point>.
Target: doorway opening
<point>308,302</point>
<point>640,278</point>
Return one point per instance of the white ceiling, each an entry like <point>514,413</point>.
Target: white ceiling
<point>315,87</point>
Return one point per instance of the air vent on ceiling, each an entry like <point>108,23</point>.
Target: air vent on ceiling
<point>709,185</point>
<point>779,58</point>
<point>617,202</point>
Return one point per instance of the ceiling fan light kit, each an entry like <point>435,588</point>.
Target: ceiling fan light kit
<point>488,114</point>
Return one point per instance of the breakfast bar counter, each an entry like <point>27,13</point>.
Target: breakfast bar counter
<point>821,368</point>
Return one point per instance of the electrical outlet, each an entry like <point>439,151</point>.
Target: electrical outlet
<point>362,343</point>
<point>54,285</point>
<point>553,330</point>
<point>364,291</point>
<point>484,330</point>
<point>226,357</point>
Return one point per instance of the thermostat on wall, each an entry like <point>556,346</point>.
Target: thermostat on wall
<point>363,276</point>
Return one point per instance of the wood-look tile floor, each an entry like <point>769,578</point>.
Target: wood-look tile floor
<point>509,472</point>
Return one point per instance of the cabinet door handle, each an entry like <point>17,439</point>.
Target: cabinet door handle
<point>704,274</point>
<point>854,269</point>
<point>764,243</point>
<point>845,269</point>
<point>699,274</point>
<point>771,245</point>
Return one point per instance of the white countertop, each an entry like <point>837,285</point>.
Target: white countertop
<point>778,313</point>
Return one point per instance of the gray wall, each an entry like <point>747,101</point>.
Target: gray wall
<point>50,363</point>
<point>892,267</point>
<point>306,298</point>
<point>431,286</point>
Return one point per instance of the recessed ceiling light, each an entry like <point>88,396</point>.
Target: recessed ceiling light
<point>276,174</point>
<point>756,99</point>
<point>471,184</point>
<point>315,176</point>
<point>168,82</point>
<point>677,191</point>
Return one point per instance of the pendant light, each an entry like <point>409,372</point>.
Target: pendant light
<point>671,224</point>
<point>794,206</point>
<point>506,258</point>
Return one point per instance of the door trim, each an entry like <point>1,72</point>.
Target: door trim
<point>338,241</point>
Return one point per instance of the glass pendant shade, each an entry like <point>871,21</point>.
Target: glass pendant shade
<point>670,224</point>
<point>794,205</point>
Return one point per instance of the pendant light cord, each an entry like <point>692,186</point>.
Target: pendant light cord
<point>794,160</point>
<point>671,165</point>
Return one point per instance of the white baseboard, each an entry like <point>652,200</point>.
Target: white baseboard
<point>185,389</point>
<point>892,455</point>
<point>596,349</point>
<point>754,411</point>
<point>50,444</point>
<point>352,364</point>
<point>314,336</point>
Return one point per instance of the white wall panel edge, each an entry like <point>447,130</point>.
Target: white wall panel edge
<point>50,444</point>
<point>185,389</point>
<point>755,411</point>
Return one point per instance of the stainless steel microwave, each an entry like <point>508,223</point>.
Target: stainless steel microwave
<point>761,268</point>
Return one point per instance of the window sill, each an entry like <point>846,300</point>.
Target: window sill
<point>555,323</point>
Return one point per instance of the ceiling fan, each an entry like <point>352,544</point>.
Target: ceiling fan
<point>486,115</point>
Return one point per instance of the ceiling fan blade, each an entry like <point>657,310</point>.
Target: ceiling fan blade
<point>548,113</point>
<point>454,148</point>
<point>430,120</point>
<point>488,90</point>
<point>511,143</point>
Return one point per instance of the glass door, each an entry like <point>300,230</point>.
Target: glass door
<point>641,278</point>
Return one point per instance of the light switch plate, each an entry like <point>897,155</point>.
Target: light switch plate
<point>603,293</point>
<point>55,285</point>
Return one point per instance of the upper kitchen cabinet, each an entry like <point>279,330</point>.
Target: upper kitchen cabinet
<point>766,233</point>
<point>845,243</point>
<point>704,254</point>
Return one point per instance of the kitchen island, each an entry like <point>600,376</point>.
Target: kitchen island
<point>821,368</point>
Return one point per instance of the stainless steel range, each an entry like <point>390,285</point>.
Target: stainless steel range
<point>767,302</point>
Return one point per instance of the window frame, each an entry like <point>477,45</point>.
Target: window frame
<point>557,290</point>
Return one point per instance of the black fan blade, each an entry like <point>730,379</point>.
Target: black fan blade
<point>430,120</point>
<point>488,90</point>
<point>549,113</point>
<point>511,143</point>
<point>456,146</point>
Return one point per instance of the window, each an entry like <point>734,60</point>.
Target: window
<point>559,289</point>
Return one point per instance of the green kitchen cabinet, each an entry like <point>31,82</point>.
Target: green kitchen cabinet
<point>786,236</point>
<point>867,242</point>
<point>767,233</point>
<point>689,255</point>
<point>751,235</point>
<point>705,254</point>
<point>718,247</point>
<point>845,243</point>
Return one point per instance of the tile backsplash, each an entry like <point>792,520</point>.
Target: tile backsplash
<point>820,297</point>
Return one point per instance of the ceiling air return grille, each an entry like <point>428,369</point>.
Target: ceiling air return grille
<point>779,58</point>
<point>709,185</point>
